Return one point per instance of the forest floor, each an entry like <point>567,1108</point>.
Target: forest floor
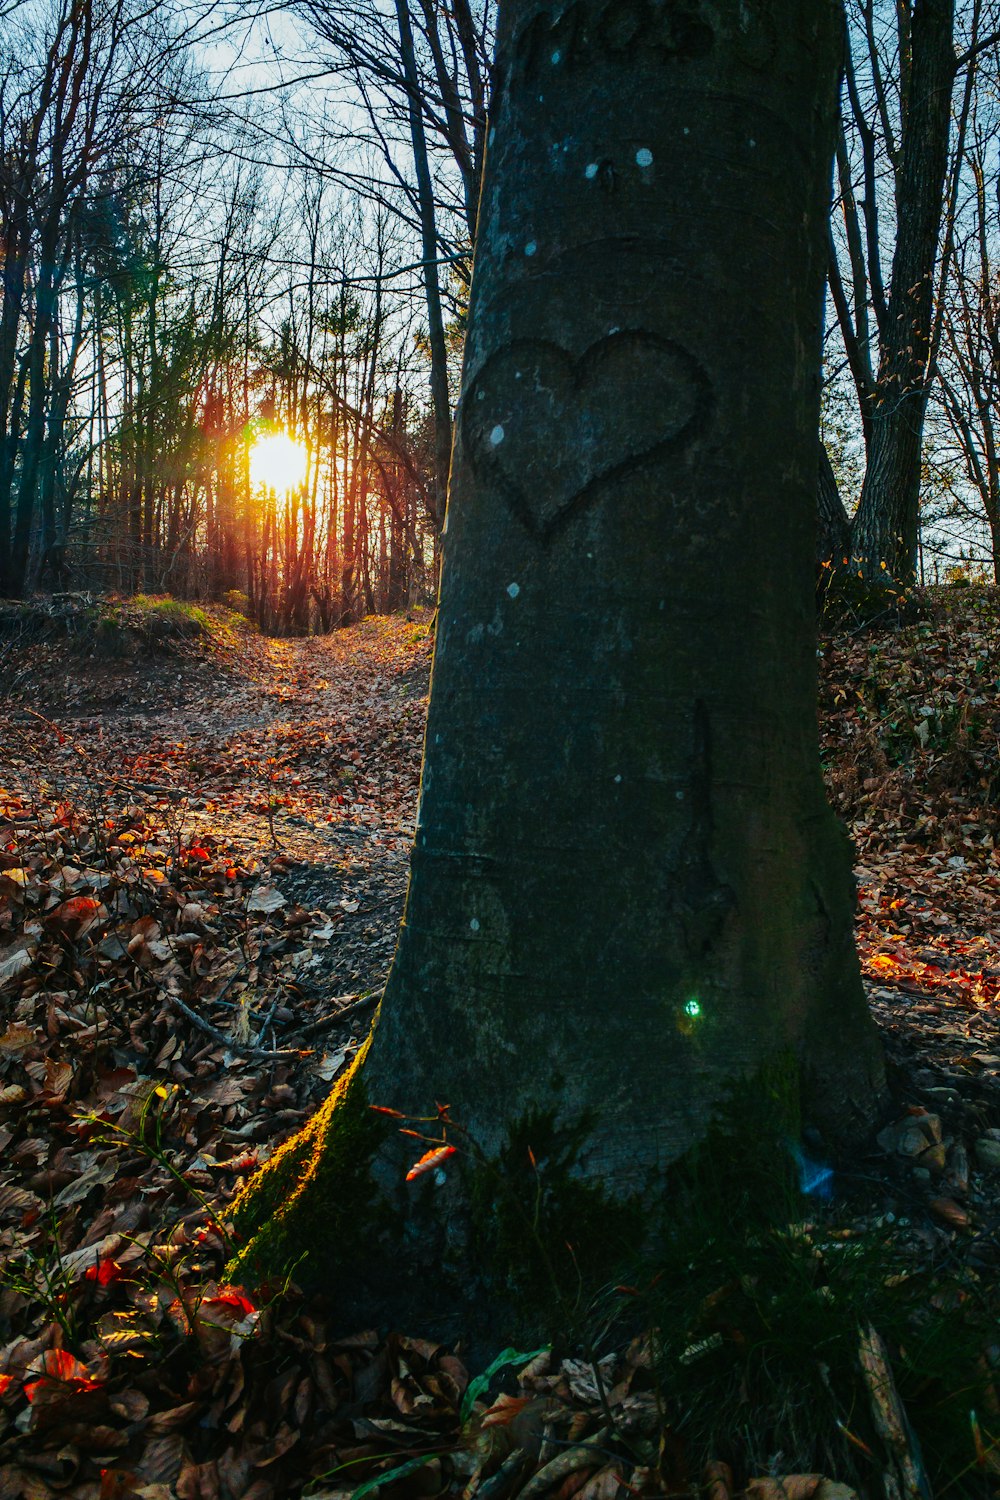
<point>203,855</point>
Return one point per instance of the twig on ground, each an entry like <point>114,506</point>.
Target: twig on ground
<point>356,1006</point>
<point>241,1048</point>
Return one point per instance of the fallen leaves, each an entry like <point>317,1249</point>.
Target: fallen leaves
<point>139,875</point>
<point>245,858</point>
<point>58,1372</point>
<point>77,916</point>
<point>266,899</point>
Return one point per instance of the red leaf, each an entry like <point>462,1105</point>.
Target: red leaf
<point>104,1273</point>
<point>429,1160</point>
<point>6,1381</point>
<point>59,1368</point>
<point>233,1298</point>
<point>213,1227</point>
<point>62,1365</point>
<point>77,915</point>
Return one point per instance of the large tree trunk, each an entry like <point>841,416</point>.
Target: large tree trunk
<point>628,892</point>
<point>884,531</point>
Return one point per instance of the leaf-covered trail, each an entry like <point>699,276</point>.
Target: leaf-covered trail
<point>297,757</point>
<point>202,863</point>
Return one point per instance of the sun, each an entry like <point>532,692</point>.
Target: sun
<point>278,462</point>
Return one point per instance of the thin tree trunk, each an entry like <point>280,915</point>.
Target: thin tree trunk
<point>440,398</point>
<point>834,530</point>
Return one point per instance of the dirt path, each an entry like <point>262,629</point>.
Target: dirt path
<point>301,757</point>
<point>202,866</point>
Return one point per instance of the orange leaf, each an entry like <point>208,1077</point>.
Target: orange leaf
<point>117,1484</point>
<point>429,1160</point>
<point>505,1409</point>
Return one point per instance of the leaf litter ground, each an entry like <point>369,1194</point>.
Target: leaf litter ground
<point>202,863</point>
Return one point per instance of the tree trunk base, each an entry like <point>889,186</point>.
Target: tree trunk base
<point>521,1245</point>
<point>848,599</point>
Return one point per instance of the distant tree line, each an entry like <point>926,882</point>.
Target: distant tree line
<point>167,299</point>
<point>181,273</point>
<point>914,236</point>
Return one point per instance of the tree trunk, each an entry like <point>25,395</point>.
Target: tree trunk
<point>884,532</point>
<point>440,399</point>
<point>628,893</point>
<point>994,522</point>
<point>833,538</point>
<point>11,312</point>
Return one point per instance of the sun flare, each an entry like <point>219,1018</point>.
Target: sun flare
<point>278,462</point>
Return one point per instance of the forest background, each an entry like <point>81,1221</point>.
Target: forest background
<point>219,226</point>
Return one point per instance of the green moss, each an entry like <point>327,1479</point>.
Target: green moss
<point>237,602</point>
<point>169,616</point>
<point>525,1234</point>
<point>523,1240</point>
<point>108,636</point>
<point>314,1204</point>
<point>521,1243</point>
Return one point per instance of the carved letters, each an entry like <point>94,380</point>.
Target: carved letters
<point>585,30</point>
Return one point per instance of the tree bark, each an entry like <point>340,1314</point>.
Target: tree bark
<point>833,534</point>
<point>884,531</point>
<point>628,893</point>
<point>440,399</point>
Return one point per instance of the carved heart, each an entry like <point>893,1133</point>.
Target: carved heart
<point>553,429</point>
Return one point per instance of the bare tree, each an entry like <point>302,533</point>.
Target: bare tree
<point>907,81</point>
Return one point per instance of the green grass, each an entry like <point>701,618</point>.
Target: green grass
<point>162,614</point>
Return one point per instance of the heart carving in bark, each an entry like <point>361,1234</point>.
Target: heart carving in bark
<point>553,430</point>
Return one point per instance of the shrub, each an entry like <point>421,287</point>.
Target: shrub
<point>238,602</point>
<point>164,615</point>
